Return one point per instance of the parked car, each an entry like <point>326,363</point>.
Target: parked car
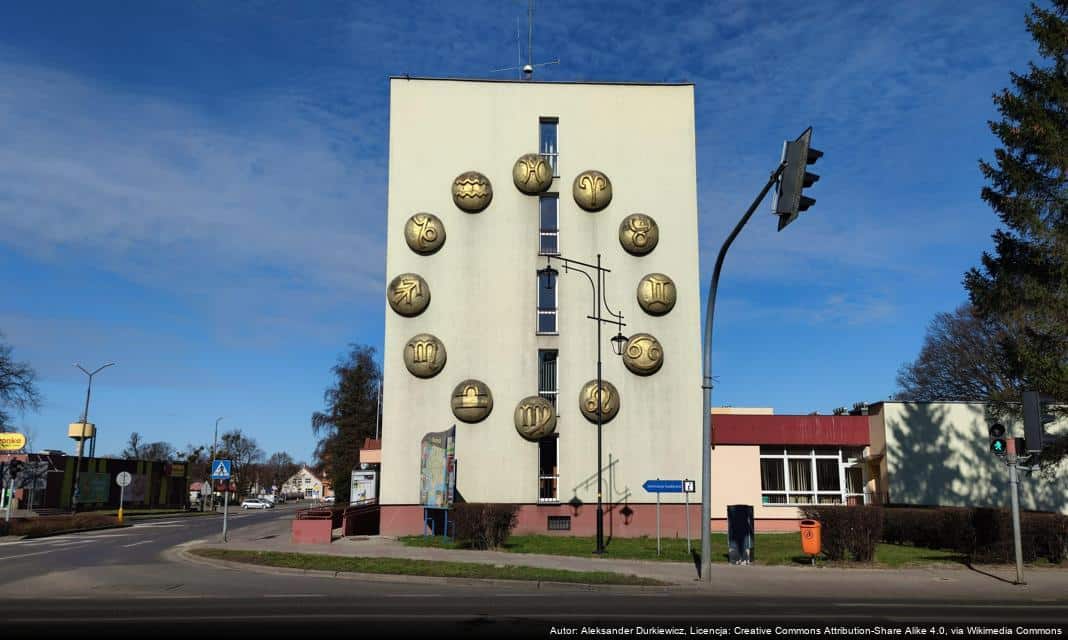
<point>255,503</point>
<point>329,499</point>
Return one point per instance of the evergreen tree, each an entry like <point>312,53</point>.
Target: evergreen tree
<point>351,409</point>
<point>1023,284</point>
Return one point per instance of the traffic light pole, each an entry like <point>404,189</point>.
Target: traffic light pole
<point>1014,490</point>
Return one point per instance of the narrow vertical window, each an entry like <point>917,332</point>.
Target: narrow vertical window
<point>550,226</point>
<point>547,301</point>
<point>548,448</point>
<point>547,145</point>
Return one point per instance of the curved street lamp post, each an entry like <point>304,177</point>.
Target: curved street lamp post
<point>81,443</point>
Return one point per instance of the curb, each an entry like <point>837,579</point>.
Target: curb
<point>182,553</point>
<point>62,532</point>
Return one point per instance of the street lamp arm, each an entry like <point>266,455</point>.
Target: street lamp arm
<point>604,299</point>
<point>101,368</point>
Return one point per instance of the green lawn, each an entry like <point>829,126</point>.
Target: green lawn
<point>769,548</point>
<point>401,566</point>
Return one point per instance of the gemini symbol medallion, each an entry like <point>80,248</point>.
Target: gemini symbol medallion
<point>643,354</point>
<point>424,355</point>
<point>592,190</point>
<point>656,294</point>
<point>535,417</point>
<point>638,233</point>
<point>472,401</point>
<point>609,401</point>
<point>532,174</point>
<point>424,233</point>
<point>472,191</point>
<point>408,294</point>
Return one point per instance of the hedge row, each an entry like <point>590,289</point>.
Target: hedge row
<point>847,533</point>
<point>484,526</point>
<point>53,524</point>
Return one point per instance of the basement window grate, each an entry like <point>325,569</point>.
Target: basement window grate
<point>559,523</point>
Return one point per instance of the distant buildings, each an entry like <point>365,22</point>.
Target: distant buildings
<point>305,485</point>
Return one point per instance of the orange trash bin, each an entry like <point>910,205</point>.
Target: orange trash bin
<point>810,537</point>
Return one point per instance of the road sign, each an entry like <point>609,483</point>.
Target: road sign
<point>123,479</point>
<point>689,486</point>
<point>663,486</point>
<point>220,469</point>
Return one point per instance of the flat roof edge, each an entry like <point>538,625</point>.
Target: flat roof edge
<point>547,82</point>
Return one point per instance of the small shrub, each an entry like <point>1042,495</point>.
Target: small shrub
<point>4,526</point>
<point>52,524</point>
<point>484,526</point>
<point>848,532</point>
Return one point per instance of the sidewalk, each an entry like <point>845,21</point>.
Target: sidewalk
<point>945,582</point>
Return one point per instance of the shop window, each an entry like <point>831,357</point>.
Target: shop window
<point>793,475</point>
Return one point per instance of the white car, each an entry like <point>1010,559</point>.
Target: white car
<point>255,503</point>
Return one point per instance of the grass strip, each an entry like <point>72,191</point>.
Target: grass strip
<point>768,548</point>
<point>407,567</point>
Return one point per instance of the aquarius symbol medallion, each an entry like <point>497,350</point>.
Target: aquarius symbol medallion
<point>656,294</point>
<point>592,190</point>
<point>532,174</point>
<point>638,233</point>
<point>472,401</point>
<point>535,417</point>
<point>472,191</point>
<point>424,355</point>
<point>408,294</point>
<point>424,233</point>
<point>643,354</point>
<point>609,401</point>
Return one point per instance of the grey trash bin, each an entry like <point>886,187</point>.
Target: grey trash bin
<point>740,533</point>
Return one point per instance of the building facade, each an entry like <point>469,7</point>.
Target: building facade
<point>305,485</point>
<point>476,325</point>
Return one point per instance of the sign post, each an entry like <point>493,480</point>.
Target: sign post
<point>659,486</point>
<point>123,480</point>
<point>220,470</point>
<point>688,487</point>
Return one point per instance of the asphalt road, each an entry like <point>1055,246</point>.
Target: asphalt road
<point>126,582</point>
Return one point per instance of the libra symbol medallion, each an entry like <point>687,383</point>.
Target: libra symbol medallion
<point>408,294</point>
<point>424,356</point>
<point>472,401</point>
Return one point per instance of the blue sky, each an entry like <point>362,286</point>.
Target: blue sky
<point>196,190</point>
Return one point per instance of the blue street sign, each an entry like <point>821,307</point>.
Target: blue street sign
<point>663,486</point>
<point>220,469</point>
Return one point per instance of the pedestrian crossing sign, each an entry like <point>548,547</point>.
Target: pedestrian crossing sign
<point>220,469</point>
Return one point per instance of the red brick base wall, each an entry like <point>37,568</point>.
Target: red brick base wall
<point>312,531</point>
<point>405,520</point>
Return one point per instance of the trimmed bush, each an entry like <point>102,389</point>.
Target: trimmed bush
<point>847,533</point>
<point>484,526</point>
<point>54,524</point>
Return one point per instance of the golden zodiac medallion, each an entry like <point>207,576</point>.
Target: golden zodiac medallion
<point>535,418</point>
<point>643,354</point>
<point>408,294</point>
<point>638,233</point>
<point>656,294</point>
<point>609,401</point>
<point>532,174</point>
<point>592,190</point>
<point>424,356</point>
<point>424,233</point>
<point>472,401</point>
<point>472,191</point>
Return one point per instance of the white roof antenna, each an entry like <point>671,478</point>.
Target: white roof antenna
<point>528,68</point>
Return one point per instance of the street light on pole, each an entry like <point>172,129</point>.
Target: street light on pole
<point>81,441</point>
<point>618,341</point>
<point>797,155</point>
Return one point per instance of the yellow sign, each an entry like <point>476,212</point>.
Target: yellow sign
<point>12,441</point>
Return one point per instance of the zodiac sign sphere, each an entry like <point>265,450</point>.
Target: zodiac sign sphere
<point>609,401</point>
<point>424,355</point>
<point>535,417</point>
<point>424,233</point>
<point>638,233</point>
<point>656,294</point>
<point>532,174</point>
<point>472,401</point>
<point>592,190</point>
<point>472,191</point>
<point>643,354</point>
<point>408,294</point>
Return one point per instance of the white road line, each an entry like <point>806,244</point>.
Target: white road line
<point>27,555</point>
<point>134,544</point>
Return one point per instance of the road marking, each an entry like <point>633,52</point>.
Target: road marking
<point>27,555</point>
<point>134,544</point>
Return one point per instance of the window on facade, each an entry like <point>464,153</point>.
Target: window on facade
<point>548,448</point>
<point>790,475</point>
<point>547,374</point>
<point>550,225</point>
<point>547,145</point>
<point>546,302</point>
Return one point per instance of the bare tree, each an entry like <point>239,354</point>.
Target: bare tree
<point>18,386</point>
<point>134,446</point>
<point>244,452</point>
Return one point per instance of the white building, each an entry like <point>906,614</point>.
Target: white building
<point>480,311</point>
<point>303,483</point>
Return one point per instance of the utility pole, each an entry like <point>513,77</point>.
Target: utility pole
<point>214,444</point>
<point>81,442</point>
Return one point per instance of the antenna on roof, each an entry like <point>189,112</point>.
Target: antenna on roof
<point>528,68</point>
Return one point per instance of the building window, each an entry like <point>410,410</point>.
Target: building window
<point>547,145</point>
<point>550,224</point>
<point>548,448</point>
<point>811,476</point>
<point>547,301</point>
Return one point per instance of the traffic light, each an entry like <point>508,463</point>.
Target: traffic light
<point>791,201</point>
<point>1035,408</point>
<point>15,468</point>
<point>997,439</point>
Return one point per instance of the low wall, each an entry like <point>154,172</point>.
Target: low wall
<point>403,520</point>
<point>312,531</point>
